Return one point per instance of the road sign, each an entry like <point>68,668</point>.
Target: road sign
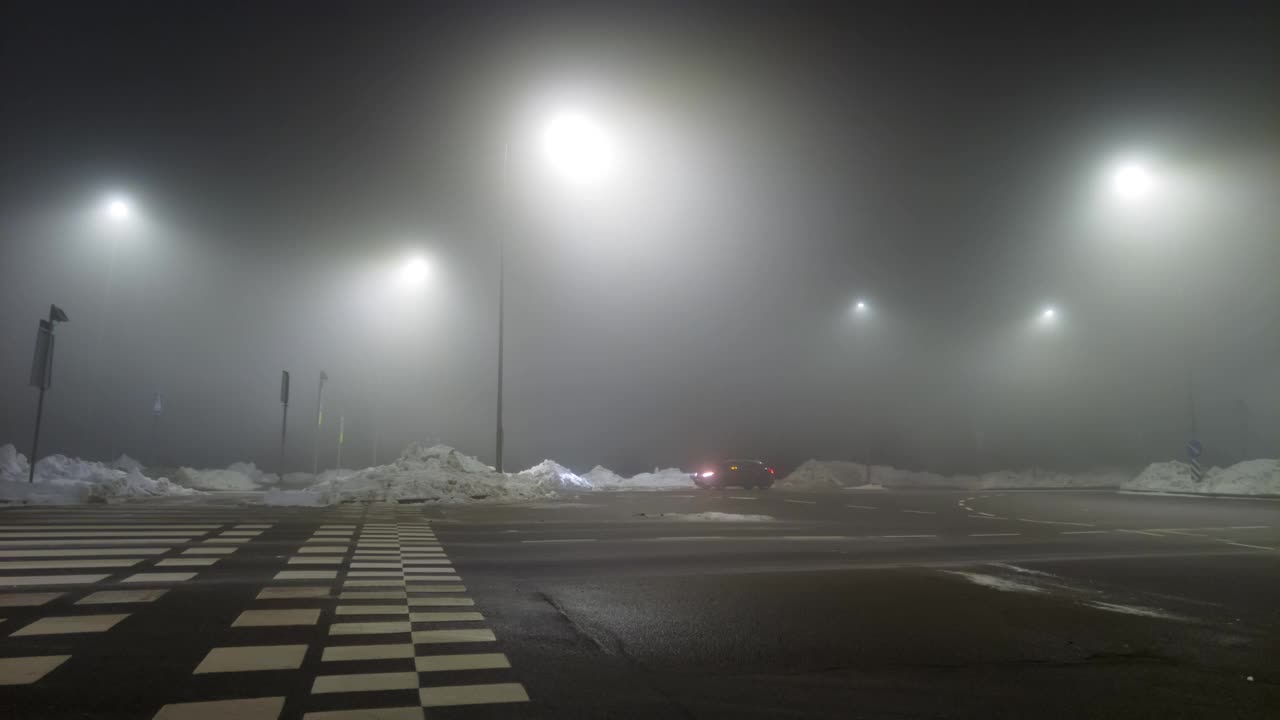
<point>1194,449</point>
<point>42,362</point>
<point>157,408</point>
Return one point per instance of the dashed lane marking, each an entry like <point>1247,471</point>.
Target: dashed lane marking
<point>397,713</point>
<point>27,599</point>
<point>474,661</point>
<point>742,497</point>
<point>1084,532</point>
<point>863,507</point>
<point>907,536</point>
<point>15,580</point>
<point>800,502</point>
<point>71,624</point>
<point>1246,545</point>
<point>111,597</point>
<point>27,670</point>
<point>365,682</point>
<point>561,540</point>
<point>1056,522</point>
<point>389,651</point>
<point>472,694</point>
<point>921,512</point>
<point>251,658</point>
<point>267,708</point>
<point>1141,532</point>
<point>813,537</point>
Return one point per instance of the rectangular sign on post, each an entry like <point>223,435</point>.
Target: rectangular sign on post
<point>42,363</point>
<point>284,386</point>
<point>157,407</point>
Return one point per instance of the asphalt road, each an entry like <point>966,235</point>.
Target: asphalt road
<point>884,604</point>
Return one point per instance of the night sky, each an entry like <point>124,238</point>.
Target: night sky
<point>946,162</point>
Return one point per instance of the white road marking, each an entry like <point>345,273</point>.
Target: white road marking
<point>562,540</point>
<point>85,552</point>
<point>204,528</point>
<point>679,538</point>
<point>1141,532</point>
<point>907,536</point>
<point>441,602</point>
<point>135,534</point>
<point>446,695</point>
<point>97,541</point>
<point>375,595</point>
<point>811,537</point>
<point>1084,532</point>
<point>28,599</point>
<point>306,575</point>
<point>396,713</point>
<point>208,551</point>
<point>1229,542</point>
<point>800,502</point>
<point>742,497</point>
<point>1056,522</point>
<point>994,534</point>
<point>266,708</point>
<point>365,682</point>
<point>290,593</point>
<point>475,661</point>
<point>445,617</point>
<point>277,618</point>
<point>315,560</point>
<point>423,637</point>
<point>370,628</point>
<point>69,624</point>
<point>340,549</point>
<point>27,670</point>
<point>390,651</point>
<point>921,512</point>
<point>252,658</point>
<point>68,564</point>
<point>862,507</point>
<point>14,580</point>
<point>371,610</point>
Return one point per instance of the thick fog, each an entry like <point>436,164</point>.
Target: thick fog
<point>696,301</point>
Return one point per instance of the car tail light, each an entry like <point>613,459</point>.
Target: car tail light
<point>770,470</point>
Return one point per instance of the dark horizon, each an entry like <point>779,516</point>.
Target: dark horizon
<point>948,167</point>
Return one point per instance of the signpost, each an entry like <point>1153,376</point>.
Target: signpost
<point>315,445</point>
<point>157,409</point>
<point>284,420</point>
<point>42,376</point>
<point>342,427</point>
<point>1194,451</point>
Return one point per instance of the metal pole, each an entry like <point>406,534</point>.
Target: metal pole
<point>502,297</point>
<point>315,443</point>
<point>35,441</point>
<point>284,428</point>
<point>342,422</point>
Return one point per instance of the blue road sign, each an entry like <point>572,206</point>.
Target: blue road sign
<point>1194,449</point>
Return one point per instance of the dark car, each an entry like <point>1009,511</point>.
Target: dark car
<point>742,473</point>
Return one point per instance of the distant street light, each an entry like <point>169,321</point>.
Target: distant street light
<point>1049,315</point>
<point>581,151</point>
<point>1132,180</point>
<point>118,208</point>
<point>414,271</point>
<point>860,307</point>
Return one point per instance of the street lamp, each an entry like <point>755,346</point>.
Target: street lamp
<point>578,148</point>
<point>414,271</point>
<point>860,307</point>
<point>118,208</point>
<point>1048,316</point>
<point>1130,181</point>
<point>118,212</point>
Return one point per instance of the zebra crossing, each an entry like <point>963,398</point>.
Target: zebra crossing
<point>348,613</point>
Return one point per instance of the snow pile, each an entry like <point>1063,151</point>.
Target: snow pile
<point>665,479</point>
<point>60,480</point>
<point>436,474</point>
<point>239,477</point>
<point>551,473</point>
<point>716,517</point>
<point>830,475</point>
<point>1252,477</point>
<point>126,463</point>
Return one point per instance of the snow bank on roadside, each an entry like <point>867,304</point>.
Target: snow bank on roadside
<point>60,480</point>
<point>238,477</point>
<point>831,475</point>
<point>665,479</point>
<point>716,517</point>
<point>435,474</point>
<point>551,473</point>
<point>1251,477</point>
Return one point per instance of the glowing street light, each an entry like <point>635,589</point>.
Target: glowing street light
<point>582,152</point>
<point>861,307</point>
<point>577,147</point>
<point>414,272</point>
<point>1048,316</point>
<point>118,208</point>
<point>1132,180</point>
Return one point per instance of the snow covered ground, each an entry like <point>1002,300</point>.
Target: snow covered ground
<point>60,480</point>
<point>829,475</point>
<point>1252,477</point>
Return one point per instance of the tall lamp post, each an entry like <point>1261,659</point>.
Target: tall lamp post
<point>581,152</point>
<point>861,310</point>
<point>118,211</point>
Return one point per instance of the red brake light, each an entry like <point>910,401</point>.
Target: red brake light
<point>770,470</point>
